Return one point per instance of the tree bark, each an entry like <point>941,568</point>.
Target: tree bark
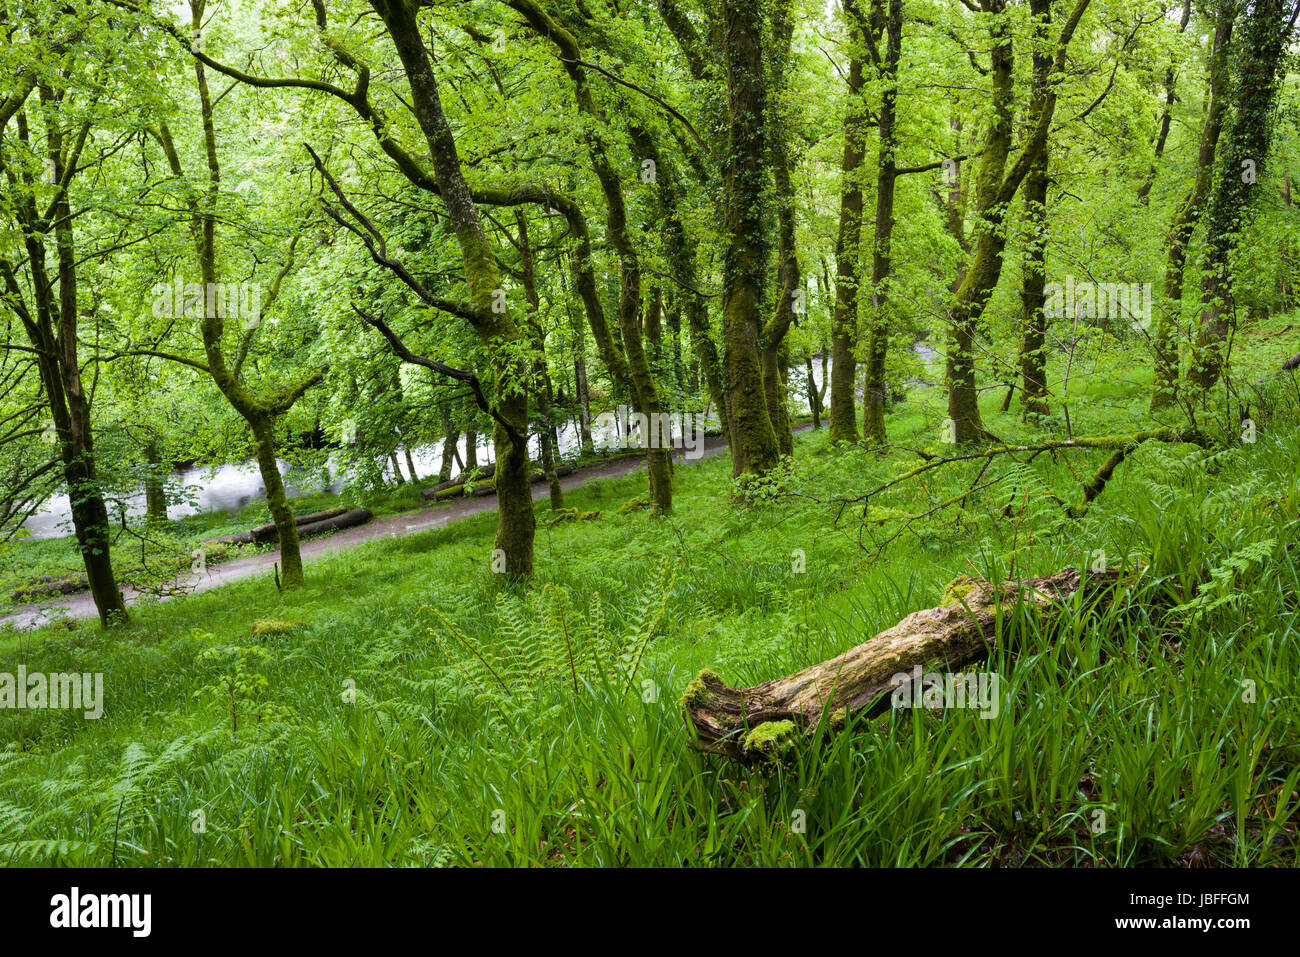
<point>541,376</point>
<point>1033,320</point>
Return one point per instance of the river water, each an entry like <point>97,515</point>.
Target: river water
<point>230,487</point>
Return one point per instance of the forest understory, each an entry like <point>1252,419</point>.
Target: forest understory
<point>505,433</point>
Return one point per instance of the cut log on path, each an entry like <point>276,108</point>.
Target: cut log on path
<point>730,721</point>
<point>357,516</point>
<point>264,534</point>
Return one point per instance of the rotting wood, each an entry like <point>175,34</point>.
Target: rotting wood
<point>727,720</point>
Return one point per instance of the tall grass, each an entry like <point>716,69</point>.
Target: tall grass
<point>1161,731</point>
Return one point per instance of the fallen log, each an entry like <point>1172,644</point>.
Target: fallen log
<point>438,491</point>
<point>45,586</point>
<point>560,472</point>
<point>477,474</point>
<point>348,519</point>
<point>731,721</point>
<point>263,534</point>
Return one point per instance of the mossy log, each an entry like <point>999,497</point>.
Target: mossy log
<point>479,473</point>
<point>448,489</point>
<point>727,720</point>
<point>46,586</point>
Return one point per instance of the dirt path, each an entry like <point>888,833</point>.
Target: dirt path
<point>388,526</point>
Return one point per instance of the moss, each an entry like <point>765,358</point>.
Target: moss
<point>958,589</point>
<point>771,738</point>
<point>273,626</point>
<point>698,688</point>
<point>839,719</point>
<point>574,514</point>
<point>634,504</point>
<point>454,492</point>
<point>693,694</point>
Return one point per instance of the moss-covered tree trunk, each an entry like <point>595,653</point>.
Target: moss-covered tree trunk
<point>981,275</point>
<point>1167,341</point>
<point>754,447</point>
<point>541,375</point>
<point>995,189</point>
<point>1250,134</point>
<point>1033,321</point>
<point>848,254</point>
<point>875,394</point>
<point>277,500</point>
<point>814,394</point>
<point>632,368</point>
<point>155,492</point>
<point>516,523</point>
<point>775,349</point>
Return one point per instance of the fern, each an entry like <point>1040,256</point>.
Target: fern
<point>1221,589</point>
<point>542,650</point>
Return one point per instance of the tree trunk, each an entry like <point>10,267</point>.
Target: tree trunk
<point>963,630</point>
<point>848,256</point>
<point>874,396</point>
<point>982,273</point>
<point>155,492</point>
<point>1166,115</point>
<point>631,365</point>
<point>277,500</point>
<point>1167,340</point>
<point>541,376</point>
<point>754,448</point>
<point>1249,142</point>
<point>997,187</point>
<point>516,523</point>
<point>1033,321</point>
<point>1033,346</point>
<point>775,351</point>
<point>814,394</point>
<point>65,393</point>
